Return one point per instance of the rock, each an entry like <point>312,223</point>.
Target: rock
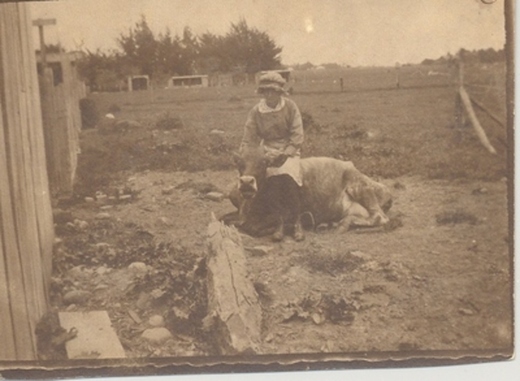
<point>138,268</point>
<point>89,199</point>
<point>103,216</point>
<point>101,270</point>
<point>215,196</point>
<point>76,297</point>
<point>70,308</point>
<point>259,250</point>
<point>157,293</point>
<point>466,311</point>
<point>165,221</point>
<point>80,224</point>
<point>216,132</point>
<point>144,301</point>
<point>156,321</point>
<point>125,197</point>
<point>106,207</point>
<point>100,196</point>
<point>75,272</point>
<point>360,255</point>
<point>156,335</point>
<point>168,190</point>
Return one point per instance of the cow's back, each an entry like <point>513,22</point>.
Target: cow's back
<point>324,185</point>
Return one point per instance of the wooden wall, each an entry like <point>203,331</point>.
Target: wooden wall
<point>26,226</point>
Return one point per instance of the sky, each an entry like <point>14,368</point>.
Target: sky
<point>348,32</point>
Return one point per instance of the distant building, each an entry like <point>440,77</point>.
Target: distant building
<point>138,82</point>
<point>188,81</point>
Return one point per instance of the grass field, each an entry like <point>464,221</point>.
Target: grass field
<point>385,131</point>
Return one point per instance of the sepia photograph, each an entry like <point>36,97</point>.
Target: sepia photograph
<point>237,186</point>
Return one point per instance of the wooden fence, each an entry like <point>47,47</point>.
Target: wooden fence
<point>62,124</point>
<point>26,226</point>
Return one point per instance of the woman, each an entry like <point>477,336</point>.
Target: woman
<point>276,123</point>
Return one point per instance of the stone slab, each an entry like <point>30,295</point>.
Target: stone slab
<point>96,338</point>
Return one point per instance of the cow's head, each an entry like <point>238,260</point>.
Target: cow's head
<point>252,164</point>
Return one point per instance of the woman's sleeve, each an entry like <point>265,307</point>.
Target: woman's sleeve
<point>296,131</point>
<point>250,137</point>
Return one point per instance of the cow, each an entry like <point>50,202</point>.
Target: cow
<point>333,191</point>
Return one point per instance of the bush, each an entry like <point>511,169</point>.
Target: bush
<point>89,113</point>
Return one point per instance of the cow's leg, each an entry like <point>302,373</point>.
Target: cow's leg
<point>275,195</point>
<point>292,206</point>
<point>279,232</point>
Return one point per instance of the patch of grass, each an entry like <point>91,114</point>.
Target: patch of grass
<point>167,123</point>
<point>457,216</point>
<point>333,263</point>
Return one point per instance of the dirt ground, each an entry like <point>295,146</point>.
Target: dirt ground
<point>441,281</point>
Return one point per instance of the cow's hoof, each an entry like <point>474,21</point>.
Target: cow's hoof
<point>277,237</point>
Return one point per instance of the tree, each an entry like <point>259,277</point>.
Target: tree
<point>140,47</point>
<point>251,50</point>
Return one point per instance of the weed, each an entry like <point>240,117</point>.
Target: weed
<point>458,216</point>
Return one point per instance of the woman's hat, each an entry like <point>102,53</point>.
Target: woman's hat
<point>271,80</point>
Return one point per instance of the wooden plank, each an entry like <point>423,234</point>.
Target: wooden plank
<point>474,121</point>
<point>28,239</point>
<point>22,327</point>
<point>234,312</point>
<point>7,246</point>
<point>96,338</point>
<point>44,228</point>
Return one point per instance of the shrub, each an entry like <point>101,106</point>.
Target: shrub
<point>89,113</point>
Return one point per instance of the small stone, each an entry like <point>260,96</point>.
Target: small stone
<point>80,224</point>
<point>76,297</point>
<point>466,311</point>
<point>101,270</point>
<point>101,196</point>
<point>156,321</point>
<point>106,207</point>
<point>101,287</point>
<point>167,190</point>
<point>144,301</point>
<point>156,335</point>
<point>217,132</point>
<point>131,179</point>
<point>103,216</point>
<point>70,308</point>
<point>259,250</point>
<point>360,255</point>
<point>138,268</point>
<point>215,196</point>
<point>89,199</point>
<point>157,293</point>
<point>165,221</point>
<point>125,197</point>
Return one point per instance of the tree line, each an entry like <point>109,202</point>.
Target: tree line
<point>242,49</point>
<point>485,56</point>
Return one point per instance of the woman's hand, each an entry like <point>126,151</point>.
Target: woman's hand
<point>275,158</point>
